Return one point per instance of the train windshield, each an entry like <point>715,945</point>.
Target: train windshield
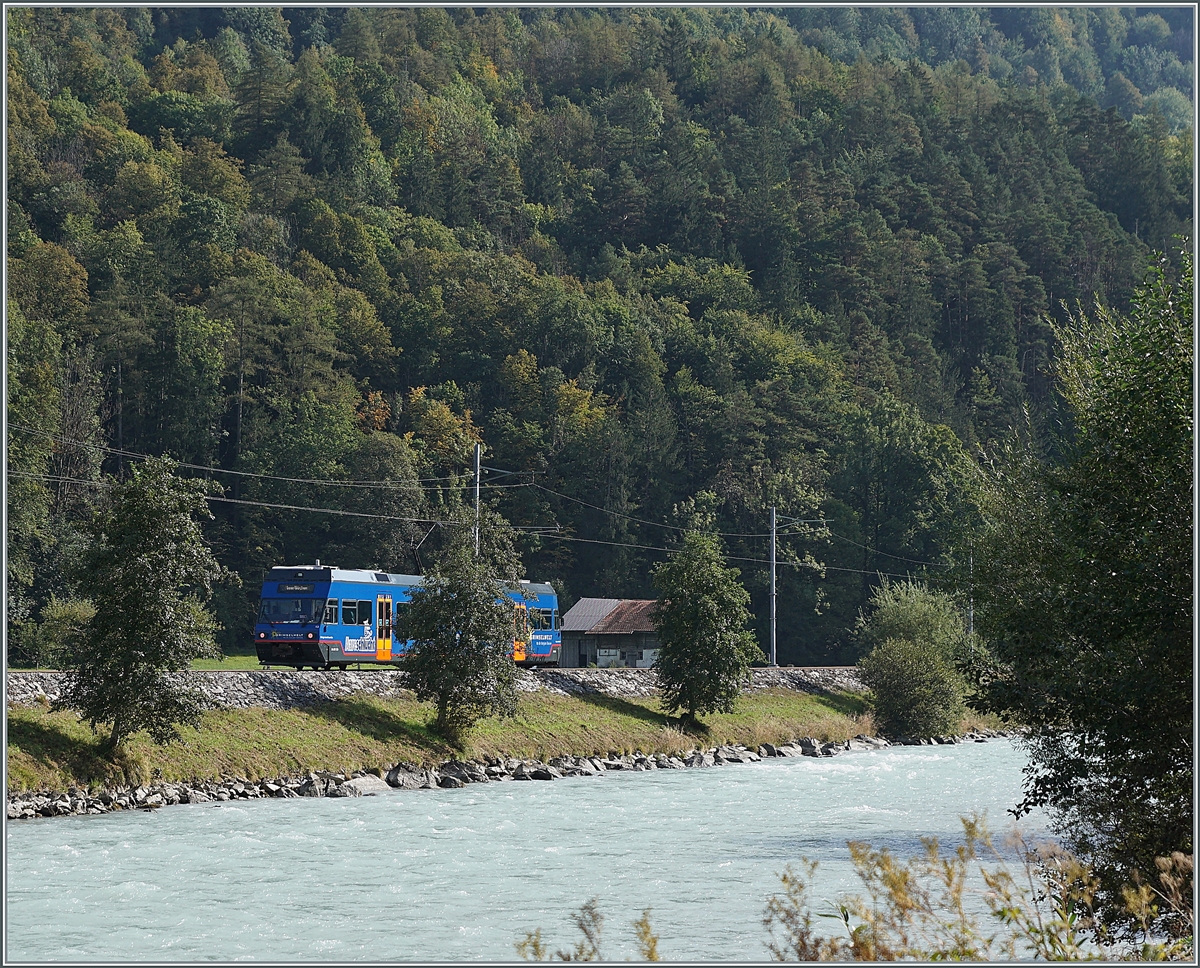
<point>539,619</point>
<point>299,611</point>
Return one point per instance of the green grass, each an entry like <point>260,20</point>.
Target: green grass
<point>54,750</point>
<point>227,663</point>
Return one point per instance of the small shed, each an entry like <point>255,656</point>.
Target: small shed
<point>610,632</point>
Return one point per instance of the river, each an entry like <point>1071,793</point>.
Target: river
<point>454,875</point>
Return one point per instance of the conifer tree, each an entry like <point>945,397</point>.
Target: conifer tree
<point>706,650</point>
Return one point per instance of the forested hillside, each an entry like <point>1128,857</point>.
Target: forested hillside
<point>801,258</point>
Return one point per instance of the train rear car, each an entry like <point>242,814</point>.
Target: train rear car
<point>543,646</point>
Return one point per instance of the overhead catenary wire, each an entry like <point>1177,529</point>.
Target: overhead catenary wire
<point>547,531</point>
<point>454,479</point>
<point>755,561</point>
<point>653,524</point>
<point>733,534</point>
<point>289,507</point>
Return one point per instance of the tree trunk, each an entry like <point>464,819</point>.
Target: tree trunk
<point>114,738</point>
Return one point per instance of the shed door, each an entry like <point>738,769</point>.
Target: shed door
<point>383,637</point>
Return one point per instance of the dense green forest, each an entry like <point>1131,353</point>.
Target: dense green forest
<point>802,258</point>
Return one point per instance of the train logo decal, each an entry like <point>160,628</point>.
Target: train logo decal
<point>364,644</point>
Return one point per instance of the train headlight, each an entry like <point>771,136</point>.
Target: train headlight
<point>262,635</point>
<point>310,635</point>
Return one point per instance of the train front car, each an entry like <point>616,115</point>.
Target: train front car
<point>543,645</point>
<point>330,617</point>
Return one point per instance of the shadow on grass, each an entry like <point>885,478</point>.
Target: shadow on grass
<point>52,749</point>
<point>624,707</point>
<point>693,727</point>
<point>380,724</point>
<point>846,703</point>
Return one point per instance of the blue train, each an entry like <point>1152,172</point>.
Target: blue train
<point>326,618</point>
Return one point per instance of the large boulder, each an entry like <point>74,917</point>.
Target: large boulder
<point>465,771</point>
<point>406,776</point>
<point>365,785</point>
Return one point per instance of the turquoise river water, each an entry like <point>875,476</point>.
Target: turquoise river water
<point>453,875</point>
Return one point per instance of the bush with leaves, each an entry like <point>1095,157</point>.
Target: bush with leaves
<point>149,575</point>
<point>914,635</point>
<point>911,610</point>
<point>921,908</point>
<point>463,629</point>
<point>705,649</point>
<point>915,689</point>
<point>948,906</point>
<point>1084,589</point>
<point>590,923</point>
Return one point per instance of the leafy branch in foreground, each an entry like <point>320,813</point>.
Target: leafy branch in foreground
<point>918,909</point>
<point>925,909</point>
<point>590,922</point>
<point>1082,585</point>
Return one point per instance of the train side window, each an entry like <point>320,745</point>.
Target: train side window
<point>349,612</point>
<point>330,616</point>
<point>364,611</point>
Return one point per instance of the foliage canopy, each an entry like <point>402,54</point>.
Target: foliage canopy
<point>149,575</point>
<point>1083,584</point>
<point>779,255</point>
<point>705,649</point>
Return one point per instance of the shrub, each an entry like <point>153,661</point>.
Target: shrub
<point>910,610</point>
<point>913,635</point>
<point>916,690</point>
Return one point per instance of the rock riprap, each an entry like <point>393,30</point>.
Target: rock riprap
<point>288,689</point>
<point>408,776</point>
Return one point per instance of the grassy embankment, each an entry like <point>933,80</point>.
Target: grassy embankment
<point>55,750</point>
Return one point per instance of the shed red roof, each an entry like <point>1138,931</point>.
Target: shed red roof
<point>632,615</point>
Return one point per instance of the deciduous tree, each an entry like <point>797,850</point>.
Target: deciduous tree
<point>1083,589</point>
<point>462,656</point>
<point>149,575</point>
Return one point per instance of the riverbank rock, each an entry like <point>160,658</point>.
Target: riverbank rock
<point>453,774</point>
<point>365,785</point>
<point>406,776</point>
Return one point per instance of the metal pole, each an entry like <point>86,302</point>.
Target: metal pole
<point>772,585</point>
<point>971,593</point>
<point>478,453</point>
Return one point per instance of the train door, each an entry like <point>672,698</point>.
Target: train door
<point>383,635</point>
<point>521,638</point>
